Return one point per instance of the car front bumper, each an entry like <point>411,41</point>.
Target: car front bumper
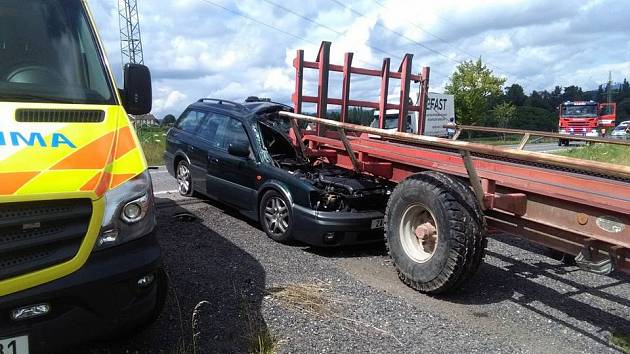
<point>99,299</point>
<point>326,229</point>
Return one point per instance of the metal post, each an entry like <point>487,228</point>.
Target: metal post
<point>298,64</point>
<point>422,100</point>
<point>345,94</point>
<point>405,73</point>
<point>382,102</point>
<point>323,61</point>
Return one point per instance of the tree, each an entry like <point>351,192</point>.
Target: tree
<point>534,118</point>
<point>168,120</point>
<point>515,95</point>
<point>473,86</point>
<point>573,93</point>
<point>503,114</point>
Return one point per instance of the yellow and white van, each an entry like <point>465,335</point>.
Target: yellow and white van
<point>78,257</point>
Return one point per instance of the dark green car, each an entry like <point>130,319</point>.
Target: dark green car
<point>241,155</point>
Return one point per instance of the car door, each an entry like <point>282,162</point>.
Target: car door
<point>185,141</point>
<point>236,175</point>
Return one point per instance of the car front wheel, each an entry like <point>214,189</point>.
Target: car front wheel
<point>276,216</point>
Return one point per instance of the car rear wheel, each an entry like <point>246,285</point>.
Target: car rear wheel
<point>276,217</point>
<point>184,179</point>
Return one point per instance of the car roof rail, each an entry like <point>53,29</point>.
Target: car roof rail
<point>222,101</point>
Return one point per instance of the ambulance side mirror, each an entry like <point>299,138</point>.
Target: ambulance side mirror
<point>137,94</point>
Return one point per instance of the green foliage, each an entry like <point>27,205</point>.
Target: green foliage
<point>615,154</point>
<point>515,95</point>
<point>623,110</point>
<point>504,114</point>
<point>153,142</point>
<point>473,86</point>
<point>621,341</point>
<point>168,120</point>
<point>534,118</point>
<point>356,115</point>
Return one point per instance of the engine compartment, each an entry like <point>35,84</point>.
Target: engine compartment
<point>339,189</point>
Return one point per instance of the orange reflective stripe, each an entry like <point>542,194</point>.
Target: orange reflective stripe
<point>102,186</point>
<point>118,179</point>
<point>92,183</point>
<point>125,142</point>
<point>10,182</point>
<point>95,155</point>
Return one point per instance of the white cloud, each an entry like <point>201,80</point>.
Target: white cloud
<point>195,49</point>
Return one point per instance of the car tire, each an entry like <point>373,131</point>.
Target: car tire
<point>434,232</point>
<point>184,178</point>
<point>276,216</point>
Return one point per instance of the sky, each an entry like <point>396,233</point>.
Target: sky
<point>234,49</point>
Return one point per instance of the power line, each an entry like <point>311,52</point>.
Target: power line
<point>339,33</point>
<point>238,13</point>
<point>437,52</point>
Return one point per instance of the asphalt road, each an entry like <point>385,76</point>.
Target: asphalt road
<point>232,288</point>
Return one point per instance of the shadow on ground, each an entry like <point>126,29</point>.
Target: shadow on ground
<point>215,294</point>
<point>540,286</point>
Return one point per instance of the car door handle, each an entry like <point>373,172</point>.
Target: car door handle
<point>213,160</point>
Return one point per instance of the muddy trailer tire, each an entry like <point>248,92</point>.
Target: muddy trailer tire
<point>435,232</point>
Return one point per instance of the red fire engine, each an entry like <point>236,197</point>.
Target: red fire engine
<point>585,118</point>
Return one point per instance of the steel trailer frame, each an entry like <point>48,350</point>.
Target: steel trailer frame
<point>574,206</point>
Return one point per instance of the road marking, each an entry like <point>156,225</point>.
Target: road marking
<point>165,192</point>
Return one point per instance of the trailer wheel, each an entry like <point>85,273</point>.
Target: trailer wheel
<point>434,230</point>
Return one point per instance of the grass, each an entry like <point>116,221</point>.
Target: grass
<point>615,154</point>
<point>621,341</point>
<point>257,335</point>
<point>153,142</point>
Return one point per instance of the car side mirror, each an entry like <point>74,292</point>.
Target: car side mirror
<point>137,94</point>
<point>240,149</point>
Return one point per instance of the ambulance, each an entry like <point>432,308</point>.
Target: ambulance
<point>79,259</point>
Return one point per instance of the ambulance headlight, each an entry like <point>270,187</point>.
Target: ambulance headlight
<point>129,212</point>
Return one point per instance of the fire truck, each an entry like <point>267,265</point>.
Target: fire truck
<point>585,118</point>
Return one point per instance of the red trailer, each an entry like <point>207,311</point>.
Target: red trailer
<point>449,191</point>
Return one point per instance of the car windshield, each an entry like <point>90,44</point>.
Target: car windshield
<point>586,111</point>
<point>391,121</point>
<point>621,127</point>
<point>48,53</point>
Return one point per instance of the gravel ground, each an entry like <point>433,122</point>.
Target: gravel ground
<point>238,282</point>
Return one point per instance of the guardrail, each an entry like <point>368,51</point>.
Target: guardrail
<point>527,134</point>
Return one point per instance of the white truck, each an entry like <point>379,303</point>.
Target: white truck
<point>440,110</point>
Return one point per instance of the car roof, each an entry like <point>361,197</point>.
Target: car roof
<point>259,107</point>
<point>226,107</point>
<point>246,110</point>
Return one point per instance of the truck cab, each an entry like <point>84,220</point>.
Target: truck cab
<point>585,118</point>
<point>78,256</point>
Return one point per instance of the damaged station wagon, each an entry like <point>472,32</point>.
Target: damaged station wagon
<point>243,155</point>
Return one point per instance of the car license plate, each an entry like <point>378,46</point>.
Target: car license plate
<point>377,223</point>
<point>15,345</point>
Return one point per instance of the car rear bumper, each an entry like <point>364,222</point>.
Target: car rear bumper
<point>98,299</point>
<point>326,229</point>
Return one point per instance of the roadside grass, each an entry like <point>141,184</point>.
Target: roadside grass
<point>621,341</point>
<point>257,335</point>
<point>615,154</point>
<point>153,142</point>
<point>317,300</point>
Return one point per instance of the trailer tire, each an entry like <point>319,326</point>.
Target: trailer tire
<point>435,232</point>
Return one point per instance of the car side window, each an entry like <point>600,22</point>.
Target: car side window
<point>190,120</point>
<point>210,126</point>
<point>231,132</point>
